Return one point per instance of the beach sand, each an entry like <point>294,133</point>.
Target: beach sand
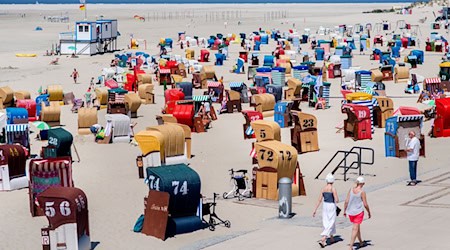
<point>108,174</point>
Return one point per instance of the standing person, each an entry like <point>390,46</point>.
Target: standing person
<point>354,206</point>
<point>412,151</point>
<point>75,75</point>
<point>88,96</point>
<point>330,198</point>
<point>92,83</point>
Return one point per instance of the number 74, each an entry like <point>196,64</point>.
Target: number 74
<point>183,189</point>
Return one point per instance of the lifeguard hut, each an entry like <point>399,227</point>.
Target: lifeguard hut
<point>90,38</point>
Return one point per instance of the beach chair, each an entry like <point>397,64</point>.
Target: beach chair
<point>401,74</point>
<point>219,59</point>
<point>86,118</point>
<point>12,168</point>
<point>145,92</point>
<point>120,127</point>
<point>268,61</point>
<point>265,103</point>
<point>234,101</point>
<point>45,173</point>
<point>133,102</point>
<point>55,93</point>
<point>68,219</point>
<point>51,114</point>
<point>239,66</point>
<point>186,87</point>
<point>30,106</point>
<point>69,98</point>
<point>6,97</point>
<point>22,95</point>
<point>77,104</point>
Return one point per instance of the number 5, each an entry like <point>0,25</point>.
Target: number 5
<point>262,133</point>
<point>49,210</point>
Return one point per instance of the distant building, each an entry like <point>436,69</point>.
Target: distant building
<point>90,38</point>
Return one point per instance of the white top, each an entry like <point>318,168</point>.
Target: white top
<point>413,144</point>
<point>355,203</point>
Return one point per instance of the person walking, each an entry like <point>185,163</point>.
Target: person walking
<point>75,75</point>
<point>92,83</point>
<point>412,151</point>
<point>354,206</point>
<point>330,198</point>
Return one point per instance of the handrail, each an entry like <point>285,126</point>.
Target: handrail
<point>358,151</point>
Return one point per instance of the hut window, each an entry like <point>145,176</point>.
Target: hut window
<point>86,28</point>
<point>106,27</point>
<point>80,28</point>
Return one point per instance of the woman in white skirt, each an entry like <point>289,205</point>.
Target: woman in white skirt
<point>330,198</point>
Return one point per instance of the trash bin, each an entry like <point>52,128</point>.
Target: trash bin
<point>284,198</point>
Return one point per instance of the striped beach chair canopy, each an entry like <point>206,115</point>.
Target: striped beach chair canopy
<point>17,128</point>
<point>432,80</point>
<point>164,71</point>
<point>214,84</point>
<point>18,133</point>
<point>201,98</point>
<point>235,84</point>
<point>407,118</point>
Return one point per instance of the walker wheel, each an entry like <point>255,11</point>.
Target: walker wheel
<point>228,223</point>
<point>250,194</point>
<point>240,197</point>
<point>212,227</point>
<point>225,195</point>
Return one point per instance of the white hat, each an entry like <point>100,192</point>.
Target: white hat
<point>360,180</point>
<point>329,178</point>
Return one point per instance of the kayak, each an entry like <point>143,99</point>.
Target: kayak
<point>26,55</point>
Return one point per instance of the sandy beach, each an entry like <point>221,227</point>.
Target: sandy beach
<point>403,217</point>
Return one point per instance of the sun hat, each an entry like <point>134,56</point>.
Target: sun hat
<point>360,180</point>
<point>329,178</point>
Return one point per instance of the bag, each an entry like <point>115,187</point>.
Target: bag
<point>139,224</point>
<point>338,211</point>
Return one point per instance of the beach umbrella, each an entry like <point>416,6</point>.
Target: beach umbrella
<point>41,125</point>
<point>430,103</point>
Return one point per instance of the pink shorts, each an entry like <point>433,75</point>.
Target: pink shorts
<point>357,219</point>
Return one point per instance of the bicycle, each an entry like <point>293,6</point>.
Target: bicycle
<point>240,182</point>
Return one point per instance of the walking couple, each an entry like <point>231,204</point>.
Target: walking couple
<point>354,207</point>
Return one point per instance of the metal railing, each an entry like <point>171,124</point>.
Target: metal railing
<point>356,164</point>
<point>84,49</point>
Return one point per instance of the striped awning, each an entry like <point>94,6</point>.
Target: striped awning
<point>16,127</point>
<point>200,98</point>
<point>164,71</point>
<point>235,84</point>
<point>407,118</point>
<point>432,80</point>
<point>62,165</point>
<point>213,84</point>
